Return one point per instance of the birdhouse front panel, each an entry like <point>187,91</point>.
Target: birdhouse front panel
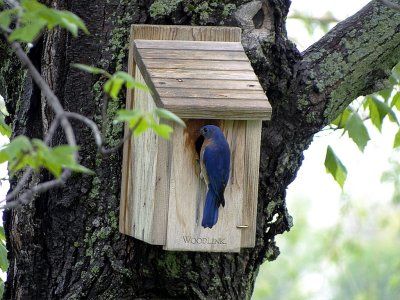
<point>203,75</point>
<point>188,192</point>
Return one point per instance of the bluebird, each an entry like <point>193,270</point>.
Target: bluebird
<point>214,165</point>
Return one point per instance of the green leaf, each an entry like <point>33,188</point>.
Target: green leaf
<point>71,22</point>
<point>397,140</point>
<point>28,32</point>
<point>395,74</point>
<point>130,116</point>
<point>2,234</point>
<point>35,16</point>
<point>32,5</point>
<point>130,82</point>
<point>4,128</point>
<point>142,127</point>
<point>335,167</point>
<point>58,158</point>
<point>341,119</point>
<point>385,94</point>
<point>357,131</point>
<point>91,69</point>
<point>378,111</point>
<point>396,101</point>
<point>113,86</point>
<point>3,258</point>
<point>168,115</point>
<point>16,147</point>
<point>6,18</point>
<point>163,130</point>
<point>3,108</point>
<point>124,115</point>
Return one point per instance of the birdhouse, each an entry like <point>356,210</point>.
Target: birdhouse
<point>203,75</point>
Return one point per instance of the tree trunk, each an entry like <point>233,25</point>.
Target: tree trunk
<point>66,244</point>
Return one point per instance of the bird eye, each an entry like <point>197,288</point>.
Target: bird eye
<point>205,129</point>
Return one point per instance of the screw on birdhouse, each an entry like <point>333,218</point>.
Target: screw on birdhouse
<point>179,80</point>
<point>242,226</point>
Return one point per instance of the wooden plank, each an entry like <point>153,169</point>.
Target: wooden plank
<point>146,214</point>
<point>251,85</point>
<point>218,108</point>
<point>187,74</point>
<point>187,33</point>
<point>251,169</point>
<point>189,45</point>
<point>125,219</point>
<point>195,103</point>
<point>248,96</point>
<point>188,191</point>
<point>193,54</point>
<point>190,64</point>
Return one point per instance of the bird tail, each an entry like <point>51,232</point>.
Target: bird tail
<point>210,213</point>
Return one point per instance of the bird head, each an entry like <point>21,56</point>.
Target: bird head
<point>209,131</point>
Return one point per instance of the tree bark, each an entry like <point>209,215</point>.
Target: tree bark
<point>66,244</point>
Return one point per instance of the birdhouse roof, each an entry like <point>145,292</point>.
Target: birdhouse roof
<point>202,79</point>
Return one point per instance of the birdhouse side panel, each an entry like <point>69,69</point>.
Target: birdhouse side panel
<point>125,214</point>
<point>251,169</point>
<point>188,193</point>
<point>145,212</point>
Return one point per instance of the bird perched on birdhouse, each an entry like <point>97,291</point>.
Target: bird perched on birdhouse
<point>214,164</point>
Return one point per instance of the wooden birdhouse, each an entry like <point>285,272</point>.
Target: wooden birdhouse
<point>203,75</point>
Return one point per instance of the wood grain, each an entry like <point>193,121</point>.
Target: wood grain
<point>145,213</point>
<point>220,108</point>
<point>187,33</point>
<point>125,201</point>
<point>251,169</point>
<point>207,69</point>
<point>193,74</point>
<point>188,192</point>
<point>192,64</point>
<point>244,85</point>
<point>193,54</point>
<point>189,45</point>
<point>209,93</point>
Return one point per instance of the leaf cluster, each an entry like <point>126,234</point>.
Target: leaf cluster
<point>140,121</point>
<point>22,152</point>
<point>33,17</point>
<point>375,107</point>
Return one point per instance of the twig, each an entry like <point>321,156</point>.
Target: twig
<point>28,195</point>
<point>98,136</point>
<point>55,104</point>
<point>52,99</point>
<point>29,171</point>
<point>104,107</point>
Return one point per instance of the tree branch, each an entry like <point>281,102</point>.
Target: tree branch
<point>351,60</point>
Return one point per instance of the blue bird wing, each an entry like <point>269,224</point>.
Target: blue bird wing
<point>216,159</point>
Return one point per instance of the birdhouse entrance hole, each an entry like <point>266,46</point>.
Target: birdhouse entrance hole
<point>194,140</point>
